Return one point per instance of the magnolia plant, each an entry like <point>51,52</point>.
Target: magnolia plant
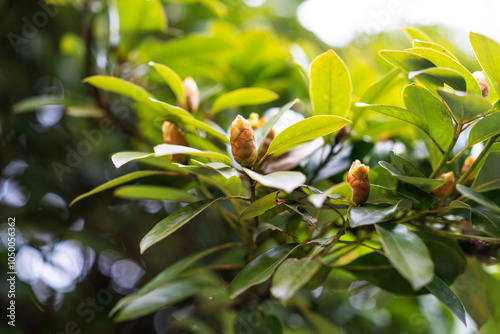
<point>415,224</point>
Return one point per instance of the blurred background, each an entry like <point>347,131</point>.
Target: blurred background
<point>57,134</point>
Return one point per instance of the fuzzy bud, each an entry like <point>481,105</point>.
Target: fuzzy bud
<point>243,144</point>
<point>444,191</point>
<point>173,136</point>
<point>467,163</point>
<point>483,83</point>
<point>357,178</point>
<point>192,95</point>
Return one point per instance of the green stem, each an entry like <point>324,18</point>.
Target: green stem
<point>446,154</point>
<point>458,235</point>
<point>486,147</point>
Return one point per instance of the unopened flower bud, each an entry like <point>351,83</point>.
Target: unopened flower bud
<point>173,136</point>
<point>467,163</point>
<point>243,144</point>
<point>357,178</point>
<point>483,83</point>
<point>192,95</point>
<point>444,191</point>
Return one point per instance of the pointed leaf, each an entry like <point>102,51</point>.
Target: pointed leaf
<point>488,54</point>
<point>171,78</point>
<point>243,97</point>
<point>121,158</point>
<point>488,177</point>
<point>477,197</point>
<point>155,193</point>
<point>438,76</point>
<point>415,33</point>
<point>443,292</point>
<point>484,221</point>
<point>370,214</point>
<point>166,149</point>
<point>287,181</point>
<point>396,112</point>
<point>260,206</point>
<point>430,45</point>
<point>423,183</point>
<point>484,129</point>
<point>464,106</point>
<point>407,61</point>
<point>119,86</point>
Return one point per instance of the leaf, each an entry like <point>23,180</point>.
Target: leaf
<point>291,276</point>
<point>166,149</point>
<point>155,193</point>
<point>255,321</point>
<point>287,181</point>
<point>118,86</point>
<point>167,294</point>
<point>484,221</point>
<point>408,253</point>
<point>484,129</point>
<point>170,109</point>
<point>175,221</point>
<point>262,132</point>
<point>380,87</point>
<point>121,158</point>
<point>141,15</point>
<point>438,76</point>
<point>303,131</point>
<point>488,54</point>
<point>442,292</point>
<point>243,97</point>
<point>407,61</point>
<point>405,166</point>
<point>464,106</point>
<point>116,182</point>
<point>32,103</point>
<point>477,197</point>
<point>415,33</point>
<point>396,112</point>
<point>430,45</point>
<point>218,167</point>
<point>370,214</point>
<point>260,269</point>
<point>260,206</point>
<point>488,177</point>
<point>423,183</point>
<point>172,79</point>
<point>330,86</point>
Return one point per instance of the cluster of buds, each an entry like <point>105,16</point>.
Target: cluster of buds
<point>173,136</point>
<point>444,191</point>
<point>358,180</point>
<point>257,123</point>
<point>192,95</point>
<point>243,144</point>
<point>483,83</point>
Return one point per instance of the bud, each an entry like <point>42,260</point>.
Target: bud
<point>444,191</point>
<point>467,163</point>
<point>483,83</point>
<point>243,144</point>
<point>192,95</point>
<point>357,178</point>
<point>173,136</point>
<point>257,123</point>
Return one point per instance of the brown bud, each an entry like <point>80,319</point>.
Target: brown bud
<point>173,136</point>
<point>483,83</point>
<point>243,144</point>
<point>192,95</point>
<point>357,178</point>
<point>444,191</point>
<point>467,163</point>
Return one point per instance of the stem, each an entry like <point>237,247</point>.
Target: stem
<point>458,236</point>
<point>486,147</point>
<point>446,154</point>
<point>323,163</point>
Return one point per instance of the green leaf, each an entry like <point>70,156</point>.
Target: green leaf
<point>243,97</point>
<point>167,294</point>
<point>330,86</point>
<point>443,292</point>
<point>175,221</point>
<point>415,33</point>
<point>32,103</point>
<point>397,112</point>
<point>488,54</point>
<point>287,181</point>
<point>141,15</point>
<point>423,183</point>
<point>121,158</point>
<point>193,123</point>
<point>172,110</point>
<point>464,106</point>
<point>488,177</point>
<point>172,79</point>
<point>166,149</point>
<point>291,276</point>
<point>408,253</point>
<point>484,221</point>
<point>407,61</point>
<point>484,129</point>
<point>405,166</point>
<point>262,132</point>
<point>118,86</point>
<point>370,214</point>
<point>155,193</point>
<point>218,167</point>
<point>438,76</point>
<point>260,269</point>
<point>477,197</point>
<point>303,131</point>
<point>380,87</point>
<point>254,321</point>
<point>430,45</point>
<point>260,206</point>
<point>116,182</point>
<point>320,323</point>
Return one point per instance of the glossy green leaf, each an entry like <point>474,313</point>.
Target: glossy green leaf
<point>116,182</point>
<point>443,292</point>
<point>260,206</point>
<point>379,88</point>
<point>192,123</point>
<point>303,131</point>
<point>464,106</point>
<point>423,183</point>
<point>171,78</point>
<point>243,97</point>
<point>167,294</point>
<point>408,253</point>
<point>170,109</point>
<point>260,269</point>
<point>118,86</point>
<point>287,181</point>
<point>396,112</point>
<point>430,45</point>
<point>477,197</point>
<point>175,221</point>
<point>406,61</point>
<point>369,214</point>
<point>484,221</point>
<point>488,54</point>
<point>155,193</point>
<point>484,129</point>
<point>141,15</point>
<point>291,276</point>
<point>406,167</point>
<point>218,167</point>
<point>166,149</point>
<point>438,76</point>
<point>255,321</point>
<point>121,158</point>
<point>415,33</point>
<point>330,86</point>
<point>488,177</point>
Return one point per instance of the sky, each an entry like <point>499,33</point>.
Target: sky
<point>336,22</point>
